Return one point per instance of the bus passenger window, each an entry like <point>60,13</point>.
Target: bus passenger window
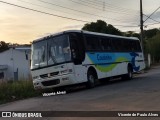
<point>43,56</point>
<point>106,44</point>
<point>93,43</point>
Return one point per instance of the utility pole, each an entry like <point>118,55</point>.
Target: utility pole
<point>141,23</point>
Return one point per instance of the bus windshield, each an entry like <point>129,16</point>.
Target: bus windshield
<point>54,50</point>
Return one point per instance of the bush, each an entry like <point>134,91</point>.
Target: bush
<point>12,91</point>
<point>153,45</point>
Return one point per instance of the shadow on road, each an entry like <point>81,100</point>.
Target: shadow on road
<point>103,82</point>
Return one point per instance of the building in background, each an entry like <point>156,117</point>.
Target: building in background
<point>15,63</point>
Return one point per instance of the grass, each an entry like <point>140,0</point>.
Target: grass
<point>11,91</point>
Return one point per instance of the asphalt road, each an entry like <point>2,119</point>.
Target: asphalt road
<point>139,94</point>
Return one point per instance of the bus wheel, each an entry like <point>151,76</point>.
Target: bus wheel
<point>91,79</point>
<point>129,75</point>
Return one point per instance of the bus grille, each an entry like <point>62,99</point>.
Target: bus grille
<point>49,74</point>
<point>54,73</point>
<point>44,76</point>
<point>51,82</point>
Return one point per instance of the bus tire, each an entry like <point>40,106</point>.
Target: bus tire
<point>91,78</point>
<point>129,75</point>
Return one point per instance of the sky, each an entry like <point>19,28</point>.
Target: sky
<point>19,25</point>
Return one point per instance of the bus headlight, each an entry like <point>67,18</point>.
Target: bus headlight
<point>36,77</point>
<point>64,71</point>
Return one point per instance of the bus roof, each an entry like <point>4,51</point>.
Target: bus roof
<point>85,32</point>
<point>109,35</point>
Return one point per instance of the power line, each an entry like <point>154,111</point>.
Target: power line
<point>114,6</point>
<point>92,3</point>
<point>78,10</point>
<point>151,27</point>
<point>97,8</point>
<point>45,7</point>
<point>110,8</point>
<point>151,14</point>
<point>151,18</point>
<point>54,14</point>
<point>85,5</point>
<point>126,25</point>
<point>43,12</point>
<point>153,24</point>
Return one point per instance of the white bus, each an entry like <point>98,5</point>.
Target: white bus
<point>76,56</point>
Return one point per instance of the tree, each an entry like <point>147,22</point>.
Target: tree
<point>153,47</point>
<point>150,33</point>
<point>132,34</point>
<point>102,27</point>
<point>3,46</point>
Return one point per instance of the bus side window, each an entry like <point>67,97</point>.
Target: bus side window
<point>106,44</point>
<point>119,45</point>
<point>92,42</point>
<point>115,44</point>
<point>126,45</point>
<point>139,49</point>
<point>77,47</point>
<point>134,46</point>
<point>43,55</point>
<point>123,45</point>
<point>131,44</point>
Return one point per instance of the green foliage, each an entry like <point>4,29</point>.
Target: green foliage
<point>151,33</point>
<point>153,47</point>
<point>102,27</point>
<point>131,34</point>
<point>3,46</point>
<point>12,91</point>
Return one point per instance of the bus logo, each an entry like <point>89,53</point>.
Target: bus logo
<point>6,114</point>
<point>134,55</point>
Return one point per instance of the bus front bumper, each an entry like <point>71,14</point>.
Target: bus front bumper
<point>52,82</point>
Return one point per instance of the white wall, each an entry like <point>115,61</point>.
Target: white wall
<point>16,59</point>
